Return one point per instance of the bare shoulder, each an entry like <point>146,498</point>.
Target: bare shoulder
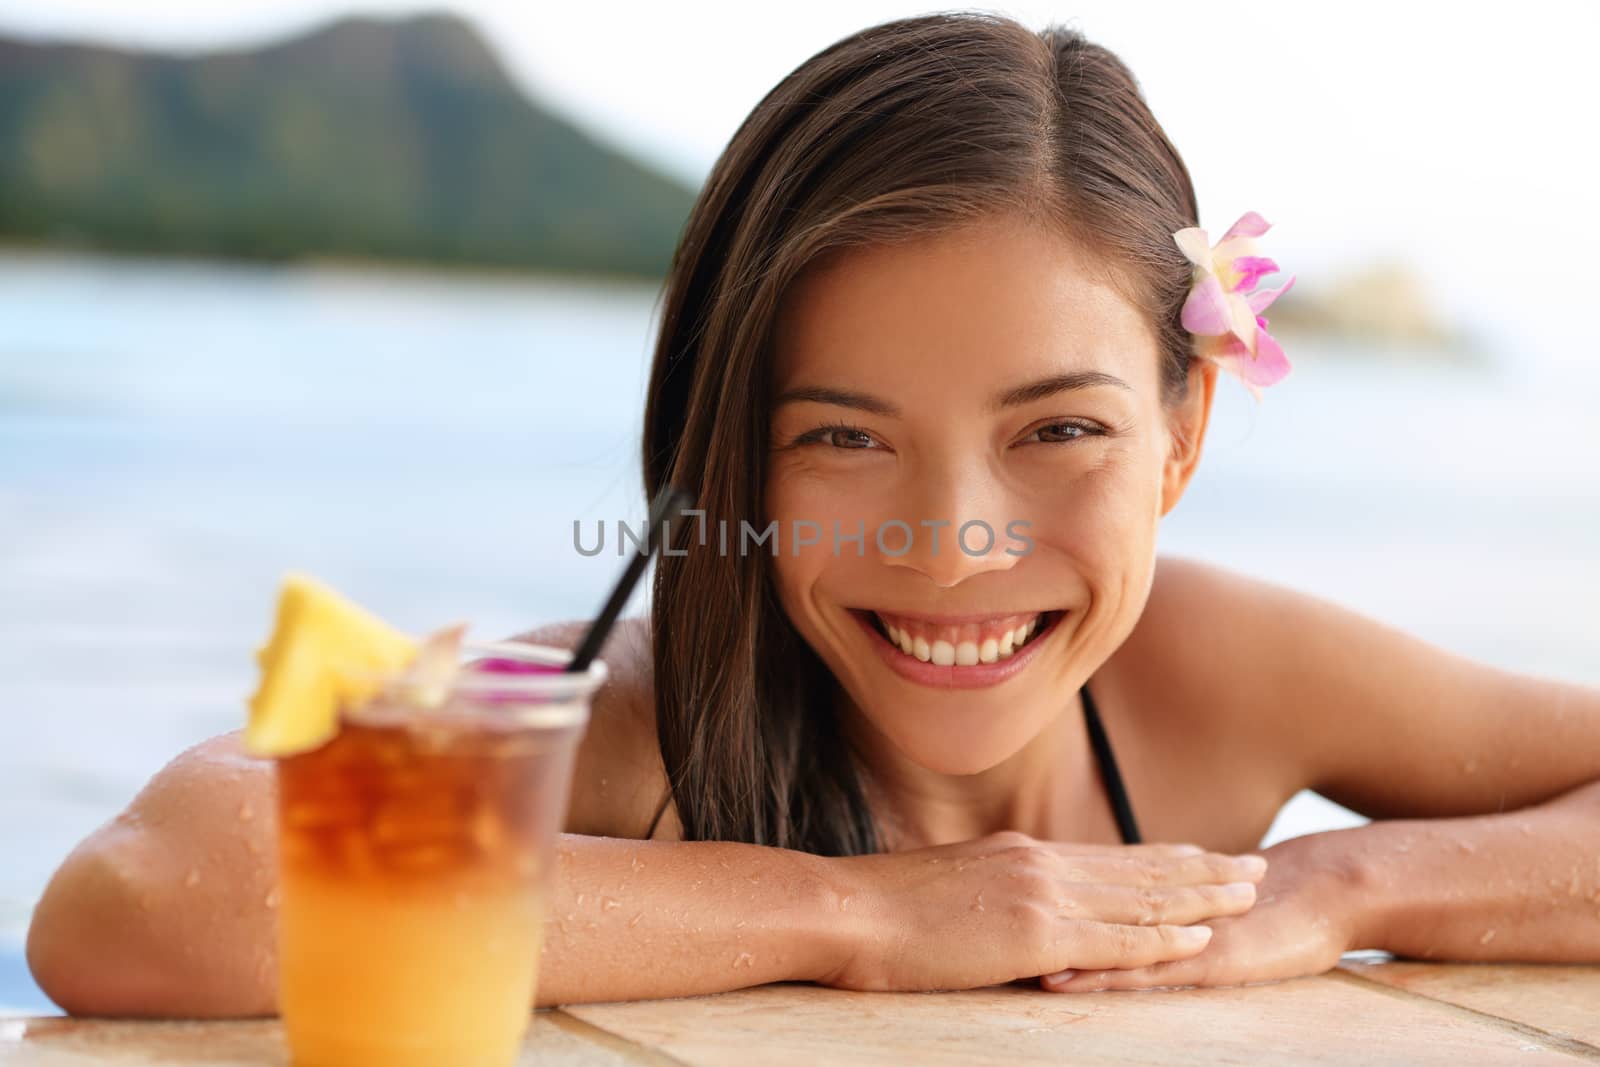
<point>619,780</point>
<point>1244,663</point>
<point>1183,704</point>
<point>1295,687</point>
<point>1197,646</point>
<point>196,778</point>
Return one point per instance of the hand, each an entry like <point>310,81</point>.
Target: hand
<point>1006,906</point>
<point>1304,919</point>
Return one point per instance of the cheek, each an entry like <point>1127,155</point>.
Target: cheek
<point>810,510</point>
<point>1103,515</point>
<point>803,510</point>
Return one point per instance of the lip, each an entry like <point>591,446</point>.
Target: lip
<point>977,676</point>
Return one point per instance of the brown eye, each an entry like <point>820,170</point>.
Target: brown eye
<point>849,439</point>
<point>1057,432</point>
<point>837,436</point>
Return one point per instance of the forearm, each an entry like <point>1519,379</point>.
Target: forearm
<point>1521,885</point>
<point>641,919</point>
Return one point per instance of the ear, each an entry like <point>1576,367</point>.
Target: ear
<point>1186,431</point>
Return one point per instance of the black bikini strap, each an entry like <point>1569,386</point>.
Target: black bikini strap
<point>1108,769</point>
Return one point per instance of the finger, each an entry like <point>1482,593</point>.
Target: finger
<point>1088,945</point>
<point>1213,868</point>
<point>1152,905</point>
<point>1174,973</point>
<point>1147,848</point>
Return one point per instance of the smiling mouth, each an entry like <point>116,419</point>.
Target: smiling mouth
<point>959,644</point>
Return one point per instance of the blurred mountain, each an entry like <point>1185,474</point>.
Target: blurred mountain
<point>365,138</point>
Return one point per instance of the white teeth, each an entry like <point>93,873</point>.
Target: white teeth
<point>963,653</point>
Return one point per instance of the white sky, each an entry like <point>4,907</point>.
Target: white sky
<point>1449,134</point>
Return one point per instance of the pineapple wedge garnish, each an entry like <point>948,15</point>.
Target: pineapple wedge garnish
<point>326,653</point>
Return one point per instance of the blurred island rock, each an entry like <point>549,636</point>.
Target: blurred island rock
<point>363,139</point>
<point>1381,310</point>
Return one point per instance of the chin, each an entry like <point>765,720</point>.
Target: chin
<point>936,743</point>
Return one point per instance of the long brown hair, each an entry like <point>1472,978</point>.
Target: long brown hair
<point>901,131</point>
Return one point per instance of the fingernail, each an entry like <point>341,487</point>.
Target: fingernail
<point>1240,889</point>
<point>1190,850</point>
<point>1195,934</point>
<point>1253,864</point>
<point>1059,977</point>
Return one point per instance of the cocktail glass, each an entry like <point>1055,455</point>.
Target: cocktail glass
<point>414,856</point>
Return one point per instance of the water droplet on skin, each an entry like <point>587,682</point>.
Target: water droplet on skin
<point>738,924</point>
<point>977,902</point>
<point>636,864</point>
<point>744,959</point>
<point>1488,936</point>
<point>246,812</point>
<point>635,920</point>
<point>610,903</point>
<point>1466,846</point>
<point>579,901</point>
<point>844,902</point>
<point>192,879</point>
<point>1470,767</point>
<point>272,898</point>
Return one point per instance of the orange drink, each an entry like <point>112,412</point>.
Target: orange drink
<point>414,853</point>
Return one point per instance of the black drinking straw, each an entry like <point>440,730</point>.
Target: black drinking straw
<point>669,504</point>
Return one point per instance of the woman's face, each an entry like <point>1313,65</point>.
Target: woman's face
<point>985,379</point>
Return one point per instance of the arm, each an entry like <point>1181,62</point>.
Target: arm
<point>164,910</point>
<point>167,910</point>
<point>1485,782</point>
<point>1486,785</point>
<point>1522,885</point>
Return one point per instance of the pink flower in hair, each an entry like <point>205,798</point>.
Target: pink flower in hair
<point>1224,307</point>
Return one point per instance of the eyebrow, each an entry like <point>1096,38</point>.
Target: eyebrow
<point>1056,383</point>
<point>844,398</point>
<point>1010,398</point>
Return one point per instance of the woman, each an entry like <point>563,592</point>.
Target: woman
<point>936,286</point>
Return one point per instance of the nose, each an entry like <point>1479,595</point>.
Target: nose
<point>955,523</point>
